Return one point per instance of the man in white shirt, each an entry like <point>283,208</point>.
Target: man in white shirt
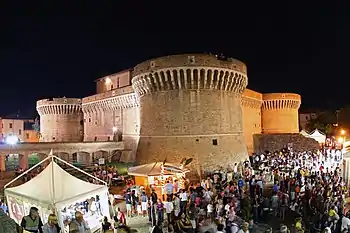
<point>169,208</point>
<point>345,224</point>
<point>183,201</point>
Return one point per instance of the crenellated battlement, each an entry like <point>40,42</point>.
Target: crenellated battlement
<point>276,101</point>
<point>190,78</point>
<point>59,106</point>
<point>251,102</point>
<point>112,103</point>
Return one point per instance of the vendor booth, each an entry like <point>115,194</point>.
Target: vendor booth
<point>152,174</point>
<point>305,133</point>
<point>56,191</point>
<point>318,136</point>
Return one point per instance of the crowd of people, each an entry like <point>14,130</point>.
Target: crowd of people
<point>304,191</point>
<point>307,194</point>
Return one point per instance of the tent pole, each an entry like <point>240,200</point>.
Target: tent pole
<point>78,169</point>
<point>53,179</point>
<point>26,172</point>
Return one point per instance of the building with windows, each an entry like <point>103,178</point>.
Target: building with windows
<point>17,126</point>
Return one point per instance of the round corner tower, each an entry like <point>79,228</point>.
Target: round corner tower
<point>280,113</point>
<point>61,120</point>
<point>190,107</point>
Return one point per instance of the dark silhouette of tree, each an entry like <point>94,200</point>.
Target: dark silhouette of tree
<point>325,122</point>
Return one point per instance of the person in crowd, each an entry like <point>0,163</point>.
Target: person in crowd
<point>144,201</point>
<point>129,203</point>
<point>32,222</point>
<point>121,217</point>
<point>52,225</point>
<point>160,212</point>
<point>169,189</point>
<point>78,225</point>
<point>7,224</point>
<point>106,225</point>
<point>3,206</point>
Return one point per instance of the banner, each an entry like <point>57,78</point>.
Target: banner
<point>16,209</point>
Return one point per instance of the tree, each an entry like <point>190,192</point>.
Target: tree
<point>320,124</point>
<point>36,126</point>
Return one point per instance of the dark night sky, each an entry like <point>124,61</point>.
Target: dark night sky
<point>59,50</point>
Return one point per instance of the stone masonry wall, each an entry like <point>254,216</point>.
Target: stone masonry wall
<point>276,142</point>
<point>205,125</point>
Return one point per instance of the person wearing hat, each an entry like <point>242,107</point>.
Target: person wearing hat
<point>32,222</point>
<point>78,225</point>
<point>52,225</point>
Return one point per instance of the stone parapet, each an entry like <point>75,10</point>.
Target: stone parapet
<point>190,78</point>
<point>188,61</point>
<point>251,103</point>
<point>57,106</point>
<point>108,94</point>
<point>275,101</point>
<point>112,103</point>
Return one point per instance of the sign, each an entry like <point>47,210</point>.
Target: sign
<point>16,209</point>
<point>101,161</point>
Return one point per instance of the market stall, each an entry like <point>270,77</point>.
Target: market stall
<point>156,174</point>
<point>318,136</point>
<point>305,133</point>
<point>55,190</point>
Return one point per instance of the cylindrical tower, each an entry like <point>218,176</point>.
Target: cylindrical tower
<point>190,107</point>
<point>61,120</point>
<point>280,113</point>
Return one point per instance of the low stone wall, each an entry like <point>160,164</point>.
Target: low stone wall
<point>275,142</point>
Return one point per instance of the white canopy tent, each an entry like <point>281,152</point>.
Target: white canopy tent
<point>318,136</point>
<point>305,133</point>
<point>54,188</point>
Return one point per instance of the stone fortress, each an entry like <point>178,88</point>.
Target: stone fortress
<point>173,107</point>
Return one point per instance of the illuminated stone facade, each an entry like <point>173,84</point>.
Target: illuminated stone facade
<point>172,107</point>
<point>61,120</point>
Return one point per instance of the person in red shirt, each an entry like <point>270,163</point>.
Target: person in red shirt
<point>121,217</point>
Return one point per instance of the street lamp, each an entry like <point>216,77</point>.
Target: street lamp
<point>342,132</point>
<point>108,81</point>
<point>11,140</point>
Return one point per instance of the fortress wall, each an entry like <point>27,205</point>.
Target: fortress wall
<point>280,113</point>
<point>98,126</point>
<point>251,110</point>
<point>130,122</point>
<point>61,120</point>
<point>191,106</point>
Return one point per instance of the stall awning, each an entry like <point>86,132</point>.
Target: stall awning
<point>154,169</point>
<point>318,136</point>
